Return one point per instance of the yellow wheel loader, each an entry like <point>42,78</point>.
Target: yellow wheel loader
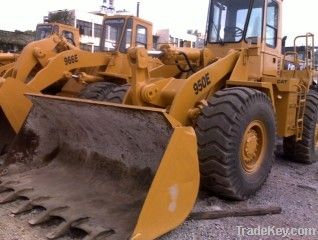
<point>131,170</point>
<point>43,31</point>
<point>121,32</point>
<point>55,66</point>
<point>46,30</point>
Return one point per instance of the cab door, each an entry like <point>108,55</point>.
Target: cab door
<point>142,33</point>
<point>272,58</point>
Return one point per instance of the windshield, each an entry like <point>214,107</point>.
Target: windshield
<point>112,33</point>
<point>227,20</point>
<point>43,31</point>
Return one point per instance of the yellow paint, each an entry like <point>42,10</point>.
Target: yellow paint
<point>174,189</point>
<point>13,102</point>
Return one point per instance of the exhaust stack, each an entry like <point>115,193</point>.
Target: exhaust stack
<point>138,8</point>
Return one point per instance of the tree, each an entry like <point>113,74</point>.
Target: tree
<point>63,16</point>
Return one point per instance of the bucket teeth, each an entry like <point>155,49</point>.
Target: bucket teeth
<point>5,186</point>
<point>29,205</point>
<point>9,198</point>
<point>46,215</point>
<point>24,208</point>
<point>3,189</point>
<point>93,232</point>
<point>15,195</point>
<point>63,228</point>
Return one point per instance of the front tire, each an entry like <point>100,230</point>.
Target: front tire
<point>97,91</point>
<point>118,94</point>
<point>236,141</point>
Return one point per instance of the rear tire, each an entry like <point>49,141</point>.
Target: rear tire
<point>117,95</point>
<point>306,150</point>
<point>97,91</point>
<point>236,141</point>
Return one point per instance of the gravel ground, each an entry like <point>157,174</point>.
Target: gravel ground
<point>292,186</point>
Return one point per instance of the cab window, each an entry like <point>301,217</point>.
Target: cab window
<point>255,25</point>
<point>272,24</point>
<point>112,33</point>
<point>56,29</point>
<point>141,36</point>
<point>126,42</point>
<point>227,20</point>
<point>69,36</point>
<point>43,31</point>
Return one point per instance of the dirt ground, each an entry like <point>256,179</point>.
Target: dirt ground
<point>292,186</point>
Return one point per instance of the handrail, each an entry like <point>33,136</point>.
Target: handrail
<point>309,49</point>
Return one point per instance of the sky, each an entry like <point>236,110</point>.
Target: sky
<point>298,16</point>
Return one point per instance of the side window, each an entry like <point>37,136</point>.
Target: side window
<point>141,36</point>
<point>56,29</point>
<point>43,31</point>
<point>69,36</point>
<point>98,30</point>
<point>85,27</point>
<point>272,24</point>
<point>254,29</point>
<point>126,42</point>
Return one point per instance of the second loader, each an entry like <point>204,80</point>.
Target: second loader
<point>55,66</point>
<point>43,31</point>
<point>131,170</point>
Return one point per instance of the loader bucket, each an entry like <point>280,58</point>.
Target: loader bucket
<point>14,108</point>
<point>114,171</point>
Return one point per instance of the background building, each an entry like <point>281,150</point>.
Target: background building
<point>177,38</point>
<point>90,28</point>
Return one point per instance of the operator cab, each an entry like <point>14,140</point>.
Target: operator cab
<point>236,21</point>
<point>45,30</point>
<point>122,32</point>
<point>235,24</point>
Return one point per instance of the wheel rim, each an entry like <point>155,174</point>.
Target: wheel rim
<point>253,146</point>
<point>316,136</point>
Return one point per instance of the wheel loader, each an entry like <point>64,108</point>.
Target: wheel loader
<point>43,31</point>
<point>55,66</point>
<point>210,117</point>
